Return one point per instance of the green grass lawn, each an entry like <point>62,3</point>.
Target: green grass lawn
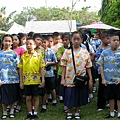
<point>88,112</point>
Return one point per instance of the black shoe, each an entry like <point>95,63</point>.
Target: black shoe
<point>4,116</point>
<point>29,116</point>
<point>54,104</point>
<point>69,117</point>
<point>34,117</point>
<point>109,116</point>
<point>49,100</point>
<point>77,117</point>
<point>61,101</point>
<point>32,111</point>
<point>43,110</point>
<point>119,117</point>
<point>12,115</point>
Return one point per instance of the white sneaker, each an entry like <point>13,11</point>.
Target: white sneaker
<point>100,109</point>
<point>90,96</point>
<point>108,105</point>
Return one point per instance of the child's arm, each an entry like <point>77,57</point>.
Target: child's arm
<point>102,76</point>
<point>50,63</point>
<point>21,78</point>
<point>90,77</point>
<point>43,78</point>
<point>63,75</point>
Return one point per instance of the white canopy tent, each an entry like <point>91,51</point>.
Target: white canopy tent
<point>99,25</point>
<point>16,28</point>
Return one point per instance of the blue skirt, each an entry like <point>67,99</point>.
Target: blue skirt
<point>9,93</point>
<point>75,96</point>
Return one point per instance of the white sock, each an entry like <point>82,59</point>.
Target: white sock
<point>30,112</point>
<point>33,107</point>
<point>18,107</point>
<point>49,96</point>
<point>61,97</point>
<point>54,101</point>
<point>35,113</point>
<point>112,114</point>
<point>12,111</point>
<point>44,106</point>
<point>76,114</point>
<point>118,114</point>
<point>65,107</point>
<point>4,112</point>
<point>69,113</point>
<point>46,101</point>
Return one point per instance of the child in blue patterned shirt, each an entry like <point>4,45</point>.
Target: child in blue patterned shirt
<point>9,78</point>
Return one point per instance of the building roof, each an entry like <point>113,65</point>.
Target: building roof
<point>50,26</point>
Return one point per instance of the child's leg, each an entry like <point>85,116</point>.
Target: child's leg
<point>29,103</point>
<point>44,103</point>
<point>36,103</point>
<point>4,116</point>
<point>118,105</point>
<point>69,114</point>
<point>53,93</point>
<point>112,104</point>
<point>12,111</point>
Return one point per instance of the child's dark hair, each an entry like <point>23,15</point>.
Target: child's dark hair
<point>45,37</point>
<point>30,39</point>
<point>7,35</point>
<point>55,34</point>
<point>76,32</point>
<point>96,33</point>
<point>30,34</point>
<point>66,35</point>
<point>50,36</point>
<point>36,35</point>
<point>21,35</point>
<point>115,34</point>
<point>103,35</point>
<point>17,37</point>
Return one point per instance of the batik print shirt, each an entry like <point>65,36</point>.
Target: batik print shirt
<point>110,61</point>
<point>82,61</point>
<point>8,67</point>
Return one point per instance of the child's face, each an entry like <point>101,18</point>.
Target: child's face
<point>38,41</point>
<point>106,40</point>
<point>114,42</point>
<point>96,37</point>
<point>30,45</point>
<point>23,40</point>
<point>65,41</point>
<point>57,39</point>
<point>76,40</point>
<point>7,42</point>
<point>45,44</point>
<point>50,42</point>
<point>15,41</point>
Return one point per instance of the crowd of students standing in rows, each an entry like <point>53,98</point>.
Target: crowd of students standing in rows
<point>42,65</point>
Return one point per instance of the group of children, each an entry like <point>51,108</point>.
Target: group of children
<point>36,65</point>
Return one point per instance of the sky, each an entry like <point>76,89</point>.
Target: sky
<point>12,5</point>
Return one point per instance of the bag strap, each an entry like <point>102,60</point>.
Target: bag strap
<point>73,57</point>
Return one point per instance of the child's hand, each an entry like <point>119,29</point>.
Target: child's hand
<point>0,82</point>
<point>47,63</point>
<point>63,82</point>
<point>21,85</point>
<point>104,82</point>
<point>117,82</point>
<point>42,85</point>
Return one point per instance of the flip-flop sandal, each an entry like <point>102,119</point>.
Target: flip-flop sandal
<point>17,110</point>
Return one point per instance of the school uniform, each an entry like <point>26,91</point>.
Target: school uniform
<point>75,96</point>
<point>9,76</point>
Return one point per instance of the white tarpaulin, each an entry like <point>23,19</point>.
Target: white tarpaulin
<point>99,25</point>
<point>16,28</point>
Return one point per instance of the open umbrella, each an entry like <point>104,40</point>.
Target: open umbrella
<point>99,25</point>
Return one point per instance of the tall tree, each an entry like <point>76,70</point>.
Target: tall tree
<point>110,13</point>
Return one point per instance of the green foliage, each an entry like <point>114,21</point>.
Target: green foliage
<point>110,13</point>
